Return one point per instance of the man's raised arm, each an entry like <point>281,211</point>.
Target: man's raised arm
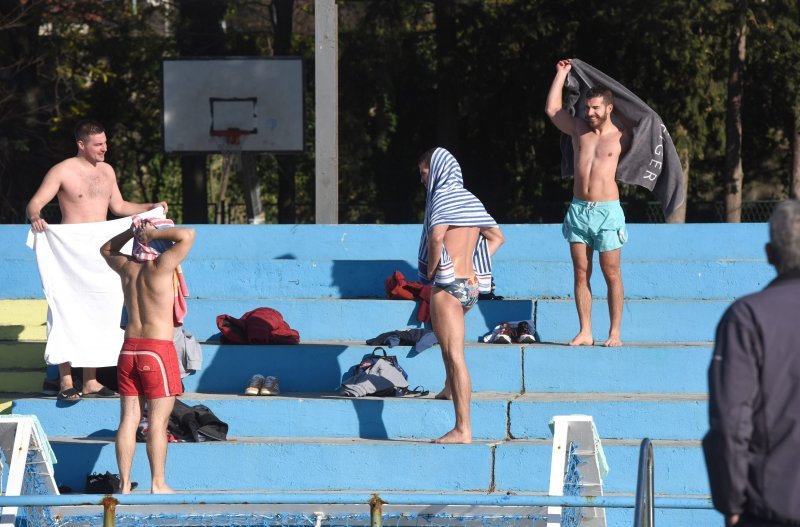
<point>555,107</point>
<point>111,249</point>
<point>183,239</point>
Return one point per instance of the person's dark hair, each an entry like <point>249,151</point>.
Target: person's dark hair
<point>603,91</point>
<point>86,128</point>
<point>784,236</point>
<point>426,157</point>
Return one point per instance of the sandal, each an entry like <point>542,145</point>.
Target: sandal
<point>70,395</point>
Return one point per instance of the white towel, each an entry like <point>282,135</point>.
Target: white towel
<point>84,295</point>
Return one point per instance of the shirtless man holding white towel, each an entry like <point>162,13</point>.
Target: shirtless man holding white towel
<point>87,189</point>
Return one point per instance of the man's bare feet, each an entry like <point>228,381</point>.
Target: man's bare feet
<point>455,437</point>
<point>612,341</point>
<point>582,339</point>
<point>445,394</point>
<point>161,489</point>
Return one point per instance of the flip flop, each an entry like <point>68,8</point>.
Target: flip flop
<point>103,393</point>
<point>68,395</point>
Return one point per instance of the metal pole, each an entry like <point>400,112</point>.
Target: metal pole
<point>208,498</point>
<point>326,96</point>
<point>376,511</point>
<point>109,511</point>
<point>644,513</point>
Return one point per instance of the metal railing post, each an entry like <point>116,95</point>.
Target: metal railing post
<point>376,511</point>
<point>109,511</point>
<point>644,515</point>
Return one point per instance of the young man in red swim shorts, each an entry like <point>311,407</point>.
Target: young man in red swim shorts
<point>148,365</point>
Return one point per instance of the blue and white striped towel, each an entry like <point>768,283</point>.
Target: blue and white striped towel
<point>449,203</point>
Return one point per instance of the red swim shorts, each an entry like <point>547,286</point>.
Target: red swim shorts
<point>149,367</point>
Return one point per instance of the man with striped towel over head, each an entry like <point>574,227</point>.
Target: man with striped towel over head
<point>458,239</point>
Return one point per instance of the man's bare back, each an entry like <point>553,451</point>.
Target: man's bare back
<point>148,285</point>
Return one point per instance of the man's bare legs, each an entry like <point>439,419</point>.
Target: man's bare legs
<point>89,385</point>
<point>582,268</point>
<point>610,265</point>
<point>130,415</point>
<point>157,419</point>
<point>447,316</point>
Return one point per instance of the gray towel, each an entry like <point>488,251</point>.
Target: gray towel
<point>652,161</point>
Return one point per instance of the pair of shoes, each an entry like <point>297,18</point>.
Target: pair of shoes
<point>260,385</point>
<point>522,334</point>
<point>70,395</point>
<point>102,393</point>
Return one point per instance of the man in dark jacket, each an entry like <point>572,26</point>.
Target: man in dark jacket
<point>753,448</point>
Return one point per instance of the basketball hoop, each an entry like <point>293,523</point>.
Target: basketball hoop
<point>232,136</point>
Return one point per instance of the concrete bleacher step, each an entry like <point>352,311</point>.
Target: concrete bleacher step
<point>305,261</point>
<point>510,368</point>
<point>555,320</point>
<point>320,464</point>
<point>495,416</point>
<point>359,319</point>
<point>22,367</point>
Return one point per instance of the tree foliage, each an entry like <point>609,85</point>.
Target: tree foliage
<point>471,76</point>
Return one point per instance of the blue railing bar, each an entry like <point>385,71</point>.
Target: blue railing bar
<point>352,499</point>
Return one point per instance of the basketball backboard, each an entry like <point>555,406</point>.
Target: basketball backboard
<point>248,104</point>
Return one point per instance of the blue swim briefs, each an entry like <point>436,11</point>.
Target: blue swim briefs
<point>598,224</point>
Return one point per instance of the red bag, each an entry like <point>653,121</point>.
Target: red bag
<point>262,325</point>
<point>398,288</point>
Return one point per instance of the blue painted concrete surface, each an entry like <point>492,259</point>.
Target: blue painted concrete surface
<point>307,368</point>
<point>659,369</point>
<point>642,320</point>
<point>275,261</point>
<point>556,320</point>
<point>364,278</point>
<point>293,465</point>
<point>678,420</point>
<point>352,465</point>
<point>678,278</point>
<point>698,241</point>
<point>678,469</point>
<point>296,415</point>
<point>293,416</point>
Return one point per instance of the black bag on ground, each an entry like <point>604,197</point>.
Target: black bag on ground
<point>196,423</point>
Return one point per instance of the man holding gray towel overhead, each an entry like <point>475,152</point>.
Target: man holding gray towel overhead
<point>595,220</point>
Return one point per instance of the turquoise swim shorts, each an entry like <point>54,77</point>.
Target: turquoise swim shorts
<point>598,224</point>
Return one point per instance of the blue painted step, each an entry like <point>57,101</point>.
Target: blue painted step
<point>269,464</point>
<point>655,369</point>
<point>556,320</point>
<point>493,368</point>
<point>494,415</point>
<point>742,241</point>
<point>241,279</point>
<point>717,261</point>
